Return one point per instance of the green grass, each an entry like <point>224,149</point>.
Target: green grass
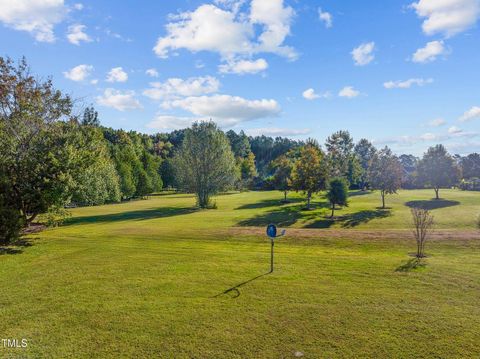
<point>157,278</point>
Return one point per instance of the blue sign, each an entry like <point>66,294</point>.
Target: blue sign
<point>271,231</point>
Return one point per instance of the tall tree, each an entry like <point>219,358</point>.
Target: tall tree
<point>282,177</point>
<point>438,169</point>
<point>309,172</point>
<point>385,173</point>
<point>90,117</point>
<point>470,166</point>
<point>34,157</point>
<point>364,151</point>
<point>409,165</point>
<point>339,150</point>
<point>337,193</point>
<point>205,163</point>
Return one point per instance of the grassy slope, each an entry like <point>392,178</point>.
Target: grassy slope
<point>140,279</point>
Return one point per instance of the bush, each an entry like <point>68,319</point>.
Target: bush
<point>11,223</point>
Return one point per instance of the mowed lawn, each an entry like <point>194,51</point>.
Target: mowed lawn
<point>157,278</point>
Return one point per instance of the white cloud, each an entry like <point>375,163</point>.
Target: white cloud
<point>437,122</point>
<point>448,17</point>
<point>117,74</point>
<point>176,87</point>
<point>430,52</point>
<point>310,94</point>
<point>37,17</point>
<point>325,17</point>
<point>472,114</point>
<point>349,92</point>
<point>227,110</point>
<point>78,6</point>
<point>428,137</point>
<point>94,81</point>
<point>119,100</point>
<point>79,73</point>
<point>152,72</point>
<point>228,32</point>
<point>407,83</point>
<point>76,34</point>
<point>276,131</point>
<point>363,54</point>
<point>454,130</point>
<point>243,66</point>
<point>169,122</point>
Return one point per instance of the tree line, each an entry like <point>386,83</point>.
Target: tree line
<point>51,158</point>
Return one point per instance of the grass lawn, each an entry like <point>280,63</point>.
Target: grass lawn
<point>157,278</point>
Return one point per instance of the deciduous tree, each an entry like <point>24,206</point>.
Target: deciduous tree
<point>337,193</point>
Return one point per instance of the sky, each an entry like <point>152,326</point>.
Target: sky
<point>399,73</point>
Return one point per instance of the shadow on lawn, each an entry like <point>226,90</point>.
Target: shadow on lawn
<point>432,204</point>
<point>15,247</point>
<point>133,215</point>
<point>288,216</point>
<point>358,193</point>
<point>270,203</point>
<point>411,264</point>
<point>234,290</point>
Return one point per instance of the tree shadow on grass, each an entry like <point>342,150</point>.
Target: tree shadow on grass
<point>357,218</point>
<point>15,247</point>
<point>411,265</point>
<point>432,204</point>
<point>234,292</point>
<point>358,193</point>
<point>270,203</point>
<point>133,215</point>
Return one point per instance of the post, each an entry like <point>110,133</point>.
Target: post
<point>271,258</point>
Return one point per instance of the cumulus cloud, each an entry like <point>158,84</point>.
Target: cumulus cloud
<point>117,74</point>
<point>243,66</point>
<point>176,87</point>
<point>76,34</point>
<point>430,52</point>
<point>152,72</point>
<point>79,73</point>
<point>454,130</point>
<point>37,17</point>
<point>225,109</point>
<point>472,114</point>
<point>447,17</point>
<point>407,83</point>
<point>78,6</point>
<point>437,122</point>
<point>349,92</point>
<point>363,54</point>
<point>325,17</point>
<point>310,94</point>
<point>230,32</point>
<point>169,122</point>
<point>119,100</point>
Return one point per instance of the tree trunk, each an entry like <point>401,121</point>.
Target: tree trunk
<point>436,193</point>
<point>333,210</point>
<point>285,196</point>
<point>383,200</point>
<point>309,195</point>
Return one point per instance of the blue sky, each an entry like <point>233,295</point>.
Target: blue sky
<point>400,73</point>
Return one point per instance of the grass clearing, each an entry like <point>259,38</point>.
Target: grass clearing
<point>148,279</point>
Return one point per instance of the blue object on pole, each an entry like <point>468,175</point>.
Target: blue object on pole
<point>272,231</point>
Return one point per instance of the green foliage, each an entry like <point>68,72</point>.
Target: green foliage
<point>337,193</point>
<point>364,152</point>
<point>90,117</point>
<point>282,177</point>
<point>205,164</point>
<point>470,166</point>
<point>309,171</point>
<point>35,156</point>
<point>339,152</point>
<point>438,169</point>
<point>385,173</point>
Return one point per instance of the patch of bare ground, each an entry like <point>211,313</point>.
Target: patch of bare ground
<point>33,228</point>
<point>380,234</point>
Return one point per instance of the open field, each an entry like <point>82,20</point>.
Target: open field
<point>157,278</point>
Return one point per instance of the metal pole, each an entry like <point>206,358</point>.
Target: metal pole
<point>271,258</point>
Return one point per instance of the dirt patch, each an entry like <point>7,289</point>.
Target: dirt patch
<point>437,235</point>
<point>33,228</point>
